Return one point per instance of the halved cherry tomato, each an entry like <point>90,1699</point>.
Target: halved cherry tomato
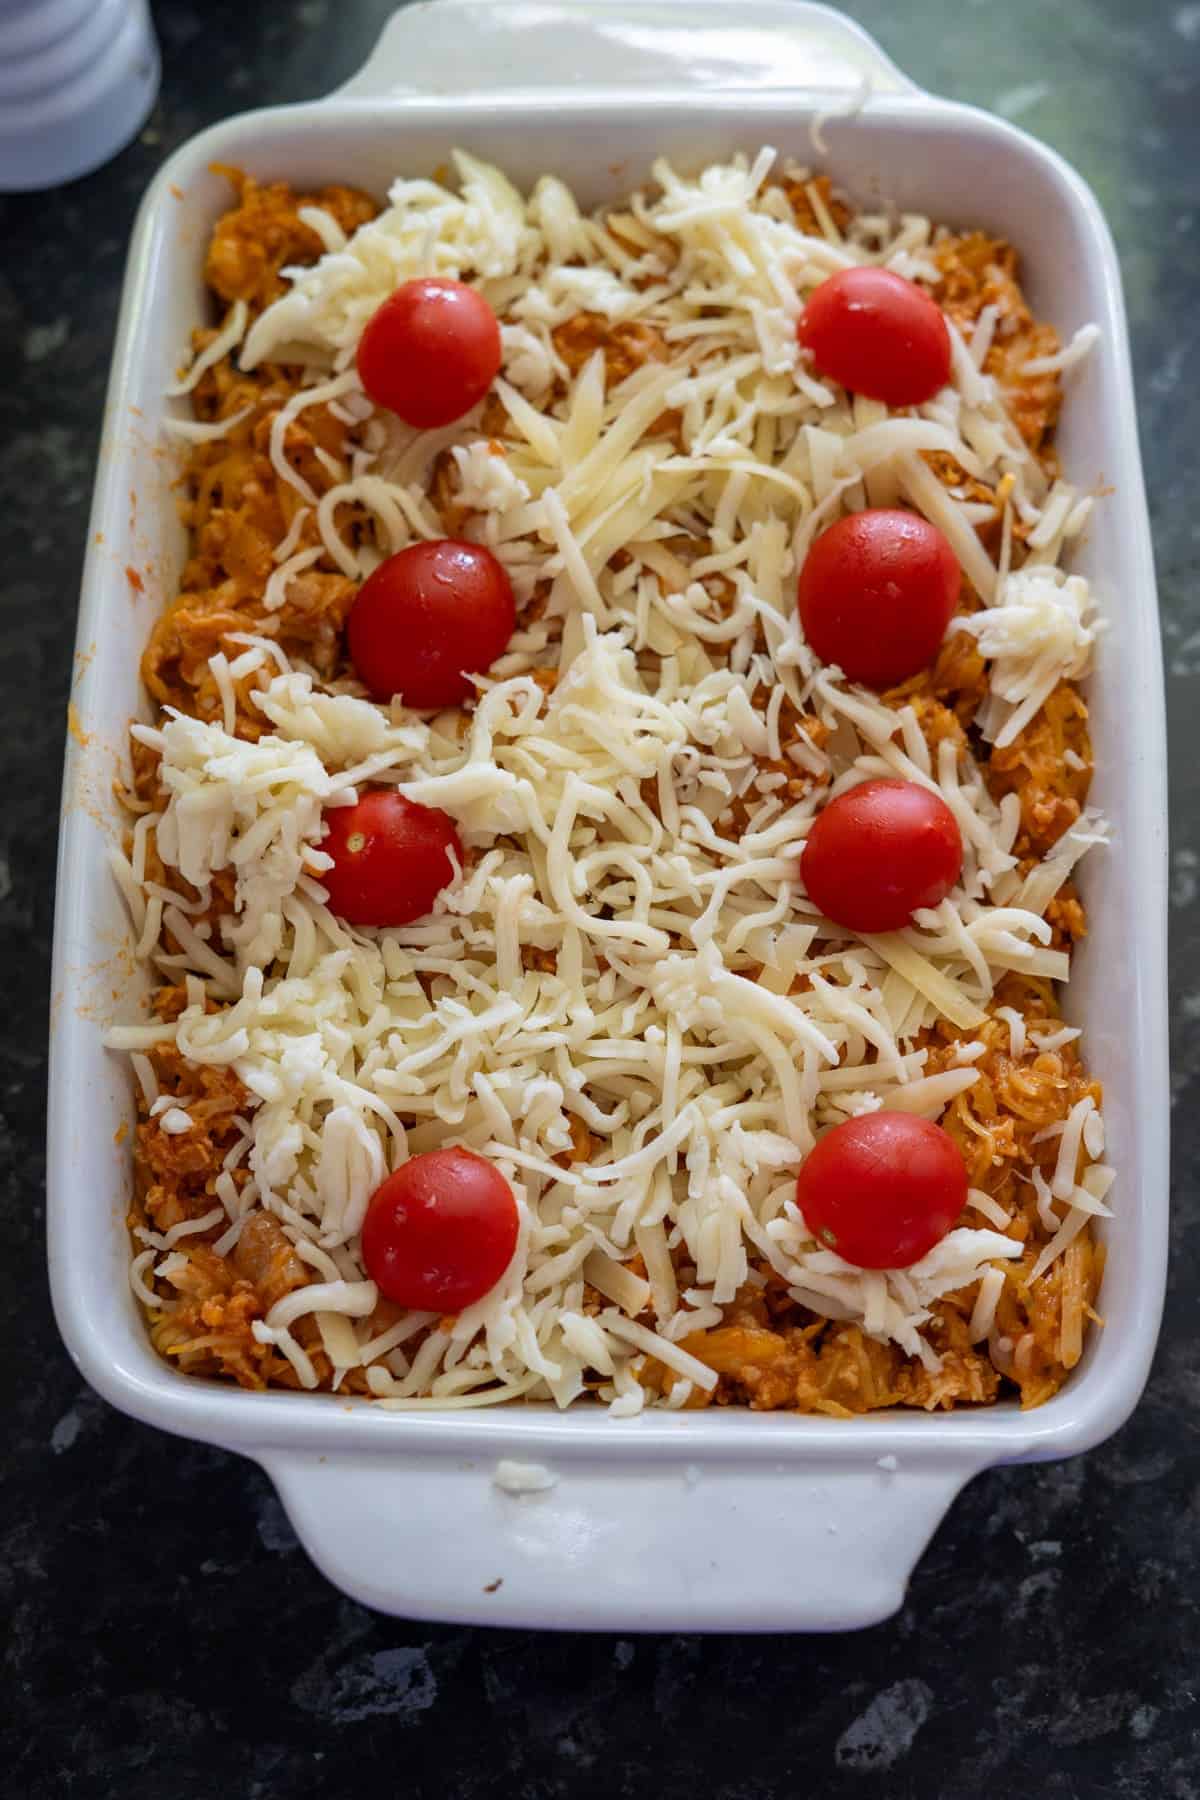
<point>427,619</point>
<point>877,334</point>
<point>876,594</point>
<point>440,1232</point>
<point>882,1189</point>
<point>880,851</point>
<point>430,351</point>
<point>391,858</point>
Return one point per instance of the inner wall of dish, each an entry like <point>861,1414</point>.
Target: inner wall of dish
<point>975,175</point>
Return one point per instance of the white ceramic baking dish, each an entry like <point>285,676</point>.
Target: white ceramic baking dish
<point>708,1521</point>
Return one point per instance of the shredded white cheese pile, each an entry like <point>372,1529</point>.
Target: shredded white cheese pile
<point>1038,633</point>
<point>598,817</point>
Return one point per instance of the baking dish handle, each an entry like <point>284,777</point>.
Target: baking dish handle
<point>734,1545</point>
<point>678,45</point>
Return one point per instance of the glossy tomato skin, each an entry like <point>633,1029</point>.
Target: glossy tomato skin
<point>427,619</point>
<point>879,852</point>
<point>882,1189</point>
<point>877,334</point>
<point>391,858</point>
<point>430,352</point>
<point>876,593</point>
<point>440,1232</point>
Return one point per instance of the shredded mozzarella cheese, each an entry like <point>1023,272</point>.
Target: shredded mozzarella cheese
<point>1040,632</point>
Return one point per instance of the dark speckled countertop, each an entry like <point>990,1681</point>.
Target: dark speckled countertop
<point>167,1636</point>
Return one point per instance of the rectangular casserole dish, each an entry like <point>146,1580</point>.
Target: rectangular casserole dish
<point>728,1521</point>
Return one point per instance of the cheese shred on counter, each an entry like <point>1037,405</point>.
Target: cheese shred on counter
<point>625,999</point>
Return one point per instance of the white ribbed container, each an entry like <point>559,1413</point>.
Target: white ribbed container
<point>77,79</point>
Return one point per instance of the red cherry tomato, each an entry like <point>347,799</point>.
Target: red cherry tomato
<point>877,334</point>
<point>427,619</point>
<point>391,858</point>
<point>880,851</point>
<point>876,594</point>
<point>440,1232</point>
<point>430,352</point>
<point>882,1189</point>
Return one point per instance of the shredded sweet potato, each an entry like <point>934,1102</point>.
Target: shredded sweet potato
<point>1035,766</point>
<point>978,271</point>
<point>626,346</point>
<point>800,196</point>
<point>263,234</point>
